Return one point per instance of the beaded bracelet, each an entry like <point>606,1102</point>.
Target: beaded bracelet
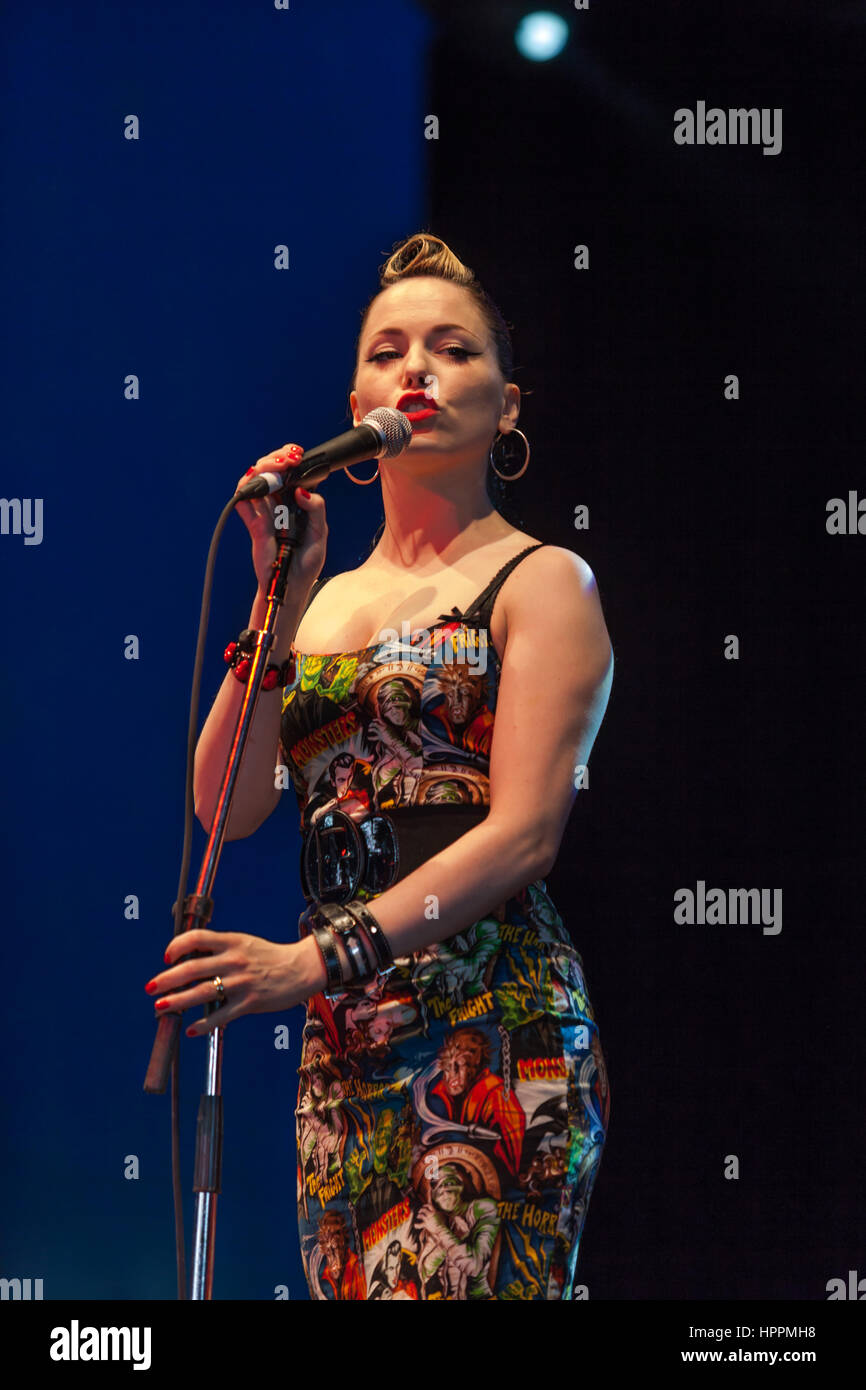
<point>237,656</point>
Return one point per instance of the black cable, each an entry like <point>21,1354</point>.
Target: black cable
<point>189,811</point>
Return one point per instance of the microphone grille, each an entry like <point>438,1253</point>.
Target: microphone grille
<point>393,425</point>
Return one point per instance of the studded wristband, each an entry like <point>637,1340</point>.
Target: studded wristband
<point>333,970</point>
<point>341,922</point>
<point>375,935</point>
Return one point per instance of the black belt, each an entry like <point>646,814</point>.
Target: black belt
<point>339,854</point>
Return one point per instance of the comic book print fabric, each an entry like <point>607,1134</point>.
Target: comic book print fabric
<point>450,1126</point>
<point>450,1122</point>
<point>402,724</point>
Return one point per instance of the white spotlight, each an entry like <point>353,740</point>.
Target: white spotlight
<point>541,35</point>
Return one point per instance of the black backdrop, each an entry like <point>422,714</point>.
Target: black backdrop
<point>707,517</point>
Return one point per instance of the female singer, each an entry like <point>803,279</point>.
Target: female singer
<point>433,709</point>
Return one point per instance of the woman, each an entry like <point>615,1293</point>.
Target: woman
<point>438,703</point>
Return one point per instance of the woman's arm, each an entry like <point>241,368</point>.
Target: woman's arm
<point>555,682</point>
<point>256,793</point>
<point>553,692</point>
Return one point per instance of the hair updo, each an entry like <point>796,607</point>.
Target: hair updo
<point>424,254</point>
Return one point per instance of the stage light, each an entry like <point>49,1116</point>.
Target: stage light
<point>541,35</point>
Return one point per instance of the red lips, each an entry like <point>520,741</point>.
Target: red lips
<point>419,398</point>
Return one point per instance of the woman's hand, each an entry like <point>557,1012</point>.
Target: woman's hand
<point>259,518</point>
<point>258,976</point>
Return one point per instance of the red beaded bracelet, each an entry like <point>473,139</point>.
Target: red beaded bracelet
<point>236,657</point>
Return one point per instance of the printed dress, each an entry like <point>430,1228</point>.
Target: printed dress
<point>450,1123</point>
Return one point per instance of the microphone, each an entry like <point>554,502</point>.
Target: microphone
<point>383,433</point>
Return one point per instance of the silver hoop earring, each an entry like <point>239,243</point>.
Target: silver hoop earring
<point>501,456</point>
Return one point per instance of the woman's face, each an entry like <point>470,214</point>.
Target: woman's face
<point>425,334</point>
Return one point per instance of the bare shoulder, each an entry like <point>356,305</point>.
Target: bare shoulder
<point>555,587</point>
<point>552,570</point>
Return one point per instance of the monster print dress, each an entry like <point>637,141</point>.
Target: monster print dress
<point>450,1122</point>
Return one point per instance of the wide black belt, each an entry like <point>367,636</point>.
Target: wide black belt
<point>340,854</point>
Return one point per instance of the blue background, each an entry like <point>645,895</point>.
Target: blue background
<point>156,257</point>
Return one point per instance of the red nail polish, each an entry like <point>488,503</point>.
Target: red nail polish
<point>151,987</point>
<point>248,472</point>
<point>191,1033</point>
<point>166,957</point>
<point>304,493</point>
<point>162,1004</point>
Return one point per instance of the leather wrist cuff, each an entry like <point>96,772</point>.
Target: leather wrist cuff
<point>343,923</point>
<point>325,943</point>
<point>378,939</point>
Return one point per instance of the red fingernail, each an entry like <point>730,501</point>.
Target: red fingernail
<point>295,451</point>
<point>151,987</point>
<point>304,493</point>
<point>191,1033</point>
<point>248,472</point>
<point>166,956</point>
<point>162,1004</point>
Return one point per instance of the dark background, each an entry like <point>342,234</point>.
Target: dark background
<point>707,518</point>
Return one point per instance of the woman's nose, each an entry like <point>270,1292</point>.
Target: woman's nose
<point>416,369</point>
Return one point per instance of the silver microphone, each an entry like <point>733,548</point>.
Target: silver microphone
<point>383,433</point>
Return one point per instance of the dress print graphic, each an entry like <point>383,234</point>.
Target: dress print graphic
<point>450,1121</point>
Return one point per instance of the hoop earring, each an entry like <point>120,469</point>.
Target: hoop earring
<point>362,482</point>
<point>509,477</point>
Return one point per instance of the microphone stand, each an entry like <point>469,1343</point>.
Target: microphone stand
<point>197,910</point>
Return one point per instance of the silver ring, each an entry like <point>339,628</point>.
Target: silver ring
<point>220,991</point>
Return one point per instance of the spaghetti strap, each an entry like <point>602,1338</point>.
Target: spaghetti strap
<point>319,584</point>
<point>482,607</point>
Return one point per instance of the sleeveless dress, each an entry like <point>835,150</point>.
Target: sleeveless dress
<point>450,1123</point>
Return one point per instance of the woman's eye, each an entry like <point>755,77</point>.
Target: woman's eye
<point>385,353</point>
